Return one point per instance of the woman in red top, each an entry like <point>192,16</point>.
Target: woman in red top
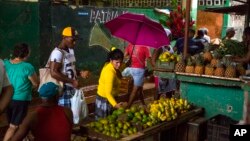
<point>49,122</point>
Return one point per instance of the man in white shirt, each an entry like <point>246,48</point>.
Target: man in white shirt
<point>62,65</point>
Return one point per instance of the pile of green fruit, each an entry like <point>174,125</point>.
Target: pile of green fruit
<point>129,121</point>
<point>139,117</point>
<point>112,126</point>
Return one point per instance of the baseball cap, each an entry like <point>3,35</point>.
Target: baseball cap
<point>48,90</point>
<point>70,32</point>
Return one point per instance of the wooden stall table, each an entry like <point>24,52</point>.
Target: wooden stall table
<point>153,130</point>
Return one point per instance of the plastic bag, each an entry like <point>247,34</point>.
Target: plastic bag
<point>84,107</point>
<point>78,106</point>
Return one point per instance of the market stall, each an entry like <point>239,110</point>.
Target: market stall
<point>218,95</point>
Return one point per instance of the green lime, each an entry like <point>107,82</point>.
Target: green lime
<point>112,125</point>
<point>127,110</point>
<point>133,109</point>
<point>138,115</point>
<point>106,128</point>
<point>113,117</point>
<point>125,127</point>
<point>108,133</point>
<point>119,124</point>
<point>112,130</point>
<point>120,111</point>
<point>104,121</point>
<point>130,131</point>
<point>118,130</point>
<point>124,132</point>
<point>144,120</point>
<point>112,135</point>
<point>142,112</point>
<point>135,119</point>
<point>134,130</point>
<point>115,112</point>
<point>144,116</point>
<point>127,123</point>
<point>117,135</point>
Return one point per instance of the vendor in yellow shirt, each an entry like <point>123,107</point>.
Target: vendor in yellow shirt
<point>109,84</point>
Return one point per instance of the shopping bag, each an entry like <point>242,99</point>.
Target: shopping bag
<point>78,106</point>
<point>84,107</point>
<point>45,77</point>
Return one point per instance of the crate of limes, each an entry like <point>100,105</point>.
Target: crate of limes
<point>167,60</point>
<point>165,65</point>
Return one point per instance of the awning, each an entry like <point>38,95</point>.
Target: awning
<point>237,9</point>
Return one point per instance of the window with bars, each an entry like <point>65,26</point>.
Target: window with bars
<point>211,2</point>
<point>143,3</point>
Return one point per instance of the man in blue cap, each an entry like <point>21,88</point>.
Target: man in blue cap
<point>45,120</point>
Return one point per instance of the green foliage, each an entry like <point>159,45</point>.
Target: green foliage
<point>232,47</point>
<point>235,48</point>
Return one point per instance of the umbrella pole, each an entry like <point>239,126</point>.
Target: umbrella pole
<point>187,18</point>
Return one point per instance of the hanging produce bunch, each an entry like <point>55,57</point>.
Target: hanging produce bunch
<point>175,21</point>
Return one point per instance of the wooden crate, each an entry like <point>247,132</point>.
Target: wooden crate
<point>165,65</point>
<point>197,129</point>
<point>126,85</point>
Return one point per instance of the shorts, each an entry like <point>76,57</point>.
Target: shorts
<point>64,100</point>
<point>16,111</point>
<point>138,76</point>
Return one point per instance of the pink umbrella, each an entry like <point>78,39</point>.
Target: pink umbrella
<point>138,30</point>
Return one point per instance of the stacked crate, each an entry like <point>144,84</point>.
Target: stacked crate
<point>218,128</point>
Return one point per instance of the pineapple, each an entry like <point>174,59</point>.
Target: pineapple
<point>209,69</point>
<point>207,54</point>
<point>215,59</point>
<point>240,70</point>
<point>219,71</point>
<point>230,71</point>
<point>180,66</point>
<point>199,67</point>
<point>190,66</point>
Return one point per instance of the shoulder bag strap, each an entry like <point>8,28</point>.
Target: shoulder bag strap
<point>48,62</point>
<point>130,57</point>
<point>138,57</point>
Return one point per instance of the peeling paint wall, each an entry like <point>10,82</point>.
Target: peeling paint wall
<point>212,21</point>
